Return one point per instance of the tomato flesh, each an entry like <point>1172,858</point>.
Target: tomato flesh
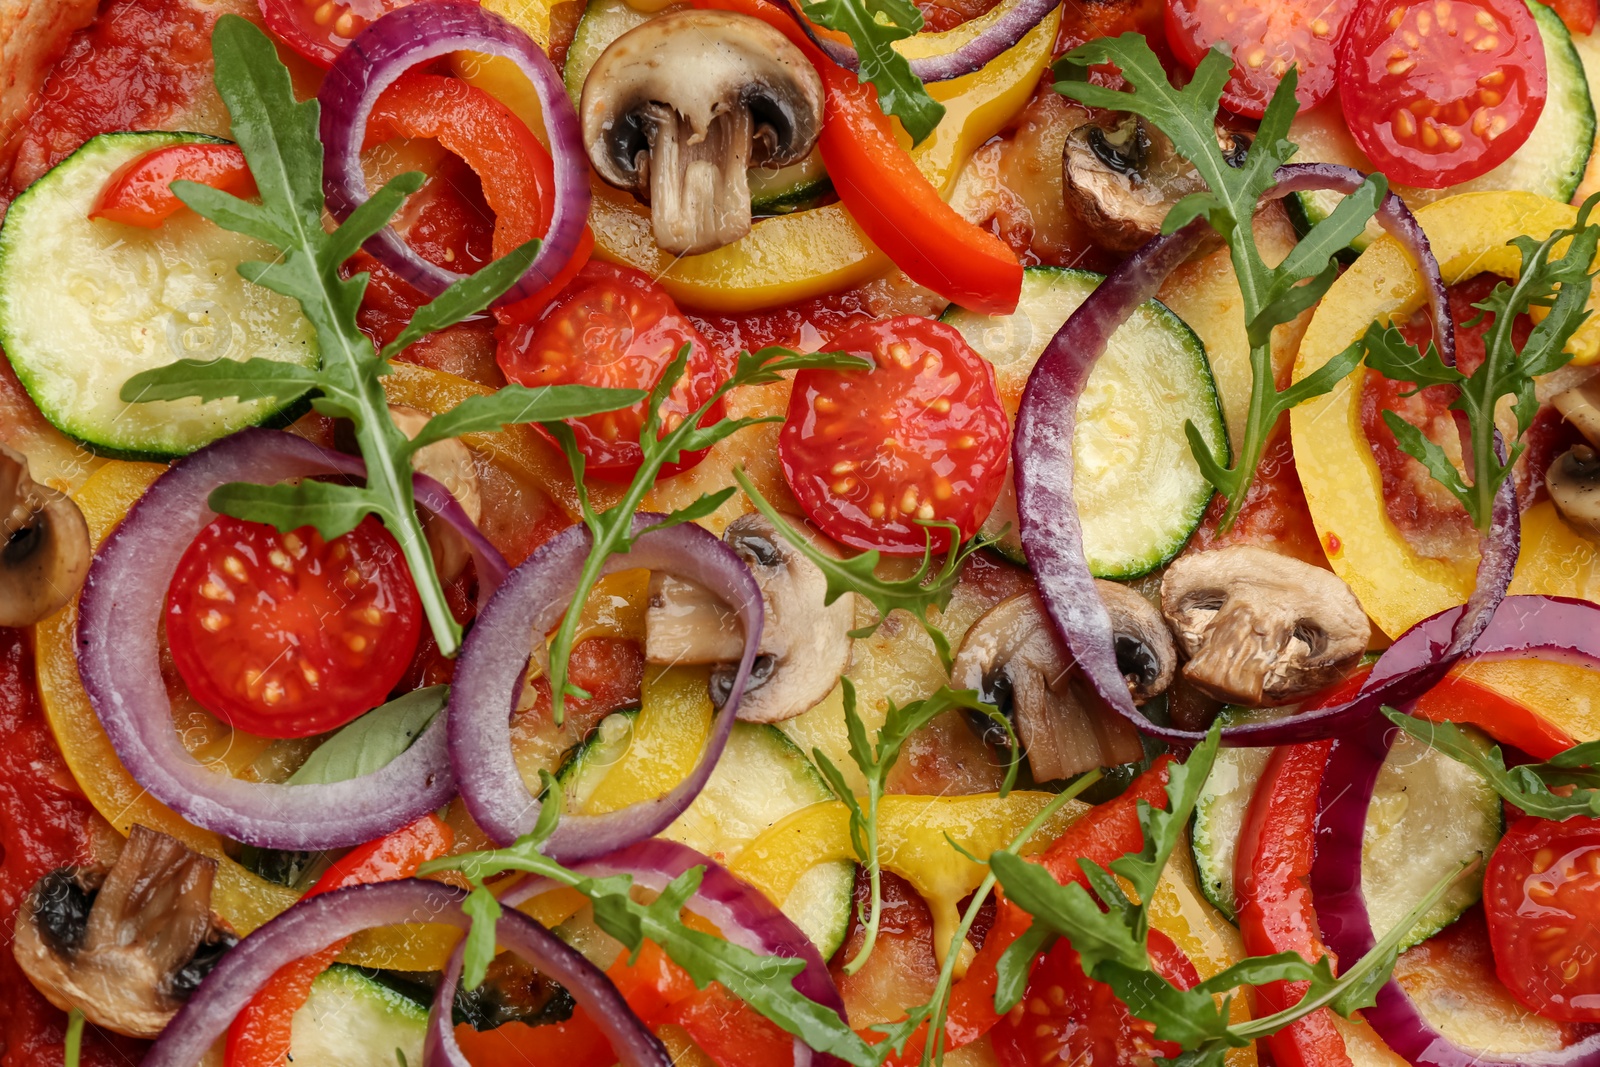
<point>874,455</point>
<point>1265,40</point>
<point>321,29</point>
<point>1541,896</point>
<point>1437,92</point>
<point>140,194</point>
<point>614,327</point>
<point>288,635</point>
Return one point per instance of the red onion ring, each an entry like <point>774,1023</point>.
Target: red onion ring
<point>119,617</point>
<point>1001,36</point>
<point>319,921</point>
<point>743,914</point>
<point>1542,627</point>
<point>415,34</point>
<point>1052,537</point>
<point>493,661</point>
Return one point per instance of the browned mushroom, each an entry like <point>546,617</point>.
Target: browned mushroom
<point>1012,657</point>
<point>44,545</point>
<point>1259,628</point>
<point>1574,484</point>
<point>127,946</point>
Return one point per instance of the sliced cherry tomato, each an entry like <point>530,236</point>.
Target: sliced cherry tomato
<point>1265,40</point>
<point>1437,92</point>
<point>321,29</point>
<point>729,1031</point>
<point>1541,896</point>
<point>615,327</point>
<point>140,194</point>
<point>288,635</point>
<point>920,436</point>
<point>1066,1017</point>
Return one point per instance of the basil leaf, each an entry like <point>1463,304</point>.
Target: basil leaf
<point>373,741</point>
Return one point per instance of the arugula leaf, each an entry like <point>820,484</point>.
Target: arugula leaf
<point>1271,295</point>
<point>374,740</point>
<point>484,911</point>
<point>1110,934</point>
<point>513,404</point>
<point>612,528</point>
<point>873,26</point>
<point>875,764</point>
<point>278,135</point>
<point>1526,787</point>
<point>858,574</point>
<point>1559,285</point>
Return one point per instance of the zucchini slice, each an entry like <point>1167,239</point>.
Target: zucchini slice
<point>761,777</point>
<point>351,1020</point>
<point>1429,815</point>
<point>1139,492</point>
<point>772,192</point>
<point>87,303</point>
<point>1551,163</point>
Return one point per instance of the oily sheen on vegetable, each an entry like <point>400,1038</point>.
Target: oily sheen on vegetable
<point>416,34</point>
<point>1007,25</point>
<point>1523,626</point>
<point>742,913</point>
<point>1053,538</point>
<point>322,920</point>
<point>119,659</point>
<point>493,665</point>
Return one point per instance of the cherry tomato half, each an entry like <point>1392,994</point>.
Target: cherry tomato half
<point>288,635</point>
<point>140,194</point>
<point>320,29</point>
<point>1066,1017</point>
<point>1437,92</point>
<point>1265,40</point>
<point>921,436</point>
<point>615,327</point>
<point>1541,897</point>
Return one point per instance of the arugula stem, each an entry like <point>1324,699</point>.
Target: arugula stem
<point>1257,428</point>
<point>73,1043</point>
<point>874,874</point>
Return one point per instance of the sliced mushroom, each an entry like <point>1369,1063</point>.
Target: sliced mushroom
<point>44,545</point>
<point>1122,178</point>
<point>1574,484</point>
<point>805,644</point>
<point>1580,406</point>
<point>449,463</point>
<point>1014,660</point>
<point>677,109</point>
<point>126,947</point>
<point>1259,628</point>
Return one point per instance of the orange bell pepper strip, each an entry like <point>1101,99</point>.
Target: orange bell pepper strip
<point>140,194</point>
<point>887,195</point>
<point>259,1037</point>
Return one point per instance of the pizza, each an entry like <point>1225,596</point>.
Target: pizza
<point>994,533</point>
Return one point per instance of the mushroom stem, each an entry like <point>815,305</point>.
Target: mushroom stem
<point>699,188</point>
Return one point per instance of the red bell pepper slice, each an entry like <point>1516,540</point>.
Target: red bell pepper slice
<point>887,195</point>
<point>140,193</point>
<point>1462,700</point>
<point>259,1036</point>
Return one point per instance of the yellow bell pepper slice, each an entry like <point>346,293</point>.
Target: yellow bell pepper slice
<point>243,899</point>
<point>793,257</point>
<point>1395,585</point>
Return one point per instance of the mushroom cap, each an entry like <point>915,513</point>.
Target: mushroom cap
<point>1261,628</point>
<point>1574,484</point>
<point>44,545</point>
<point>805,644</point>
<point>1145,653</point>
<point>1580,406</point>
<point>700,64</point>
<point>1012,657</point>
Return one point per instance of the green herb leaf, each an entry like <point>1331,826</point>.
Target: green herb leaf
<point>873,26</point>
<point>334,510</point>
<point>1270,295</point>
<point>1392,356</point>
<point>484,911</point>
<point>1526,787</point>
<point>464,298</point>
<point>373,741</point>
<point>703,505</point>
<point>515,404</point>
<point>219,379</point>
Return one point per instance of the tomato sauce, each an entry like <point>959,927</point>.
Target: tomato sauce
<point>45,823</point>
<point>1274,514</point>
<point>1432,521</point>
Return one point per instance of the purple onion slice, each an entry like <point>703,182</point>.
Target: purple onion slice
<point>1052,537</point>
<point>415,34</point>
<point>493,663</point>
<point>319,921</point>
<point>119,659</point>
<point>1008,25</point>
<point>1524,626</point>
